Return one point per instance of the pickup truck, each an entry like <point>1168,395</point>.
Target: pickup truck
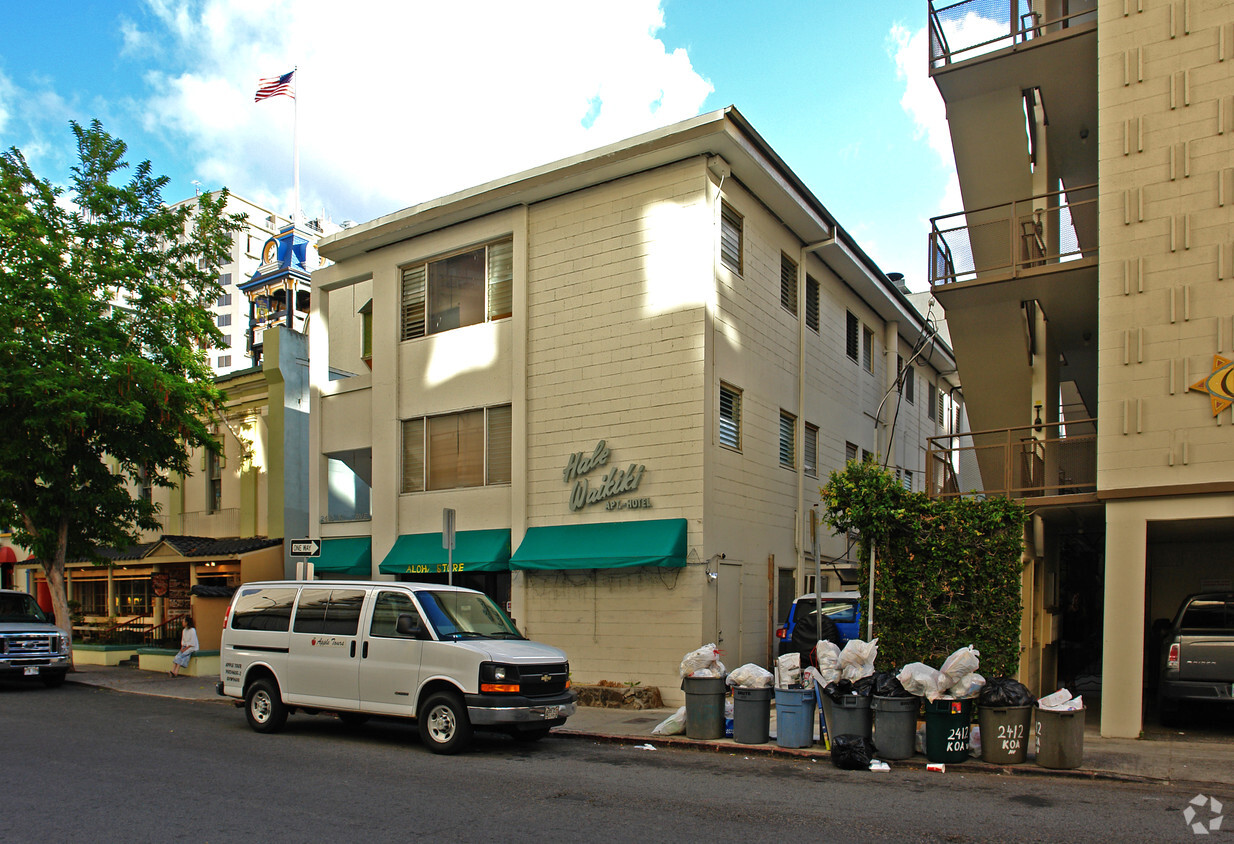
<point>30,645</point>
<point>1198,654</point>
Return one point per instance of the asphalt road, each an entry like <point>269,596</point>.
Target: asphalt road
<point>87,764</point>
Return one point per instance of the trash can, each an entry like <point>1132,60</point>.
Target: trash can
<point>847,715</point>
<point>1059,738</point>
<point>947,728</point>
<point>794,717</point>
<point>751,715</point>
<point>1004,733</point>
<point>704,707</point>
<point>895,726</point>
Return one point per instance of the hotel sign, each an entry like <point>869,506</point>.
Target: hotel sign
<point>616,482</point>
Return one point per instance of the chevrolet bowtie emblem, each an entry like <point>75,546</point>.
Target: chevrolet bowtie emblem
<point>544,678</point>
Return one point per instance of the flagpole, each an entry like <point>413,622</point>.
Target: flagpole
<point>295,156</point>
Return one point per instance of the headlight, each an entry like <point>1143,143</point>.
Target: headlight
<point>496,678</point>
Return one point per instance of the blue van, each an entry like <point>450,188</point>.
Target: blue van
<point>841,622</point>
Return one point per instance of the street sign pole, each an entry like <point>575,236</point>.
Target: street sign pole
<point>305,550</point>
<point>447,542</point>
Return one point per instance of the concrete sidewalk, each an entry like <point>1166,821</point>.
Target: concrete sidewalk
<point>1165,758</point>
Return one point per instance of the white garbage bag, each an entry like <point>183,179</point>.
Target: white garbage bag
<point>673,725</point>
<point>961,662</point>
<point>705,659</point>
<point>919,679</point>
<point>751,676</point>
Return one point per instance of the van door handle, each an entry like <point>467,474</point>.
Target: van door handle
<point>353,647</point>
<point>364,653</point>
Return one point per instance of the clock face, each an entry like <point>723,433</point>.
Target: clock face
<point>271,251</point>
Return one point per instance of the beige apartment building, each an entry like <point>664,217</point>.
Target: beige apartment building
<point>1088,283</point>
<point>627,373</point>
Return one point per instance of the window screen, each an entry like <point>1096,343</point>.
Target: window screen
<point>730,417</point>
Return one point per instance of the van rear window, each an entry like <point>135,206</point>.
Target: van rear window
<point>263,609</point>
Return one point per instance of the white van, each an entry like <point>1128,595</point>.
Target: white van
<point>448,657</point>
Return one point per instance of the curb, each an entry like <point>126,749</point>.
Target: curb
<point>821,755</point>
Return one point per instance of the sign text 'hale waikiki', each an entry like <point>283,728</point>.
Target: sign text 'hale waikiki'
<point>615,482</point>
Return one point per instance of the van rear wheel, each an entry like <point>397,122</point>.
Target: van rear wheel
<point>443,722</point>
<point>264,708</point>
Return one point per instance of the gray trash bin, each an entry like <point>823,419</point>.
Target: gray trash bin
<point>1059,738</point>
<point>794,717</point>
<point>1004,733</point>
<point>895,726</point>
<point>751,715</point>
<point>704,707</point>
<point>848,715</point>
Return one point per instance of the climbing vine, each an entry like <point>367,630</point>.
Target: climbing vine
<point>946,573</point>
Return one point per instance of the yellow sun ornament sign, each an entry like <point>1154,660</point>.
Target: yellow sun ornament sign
<point>1219,384</point>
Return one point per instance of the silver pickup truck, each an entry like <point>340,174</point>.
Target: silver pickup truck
<point>30,645</point>
<point>1198,654</point>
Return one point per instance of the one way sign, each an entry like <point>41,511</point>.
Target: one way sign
<point>305,548</point>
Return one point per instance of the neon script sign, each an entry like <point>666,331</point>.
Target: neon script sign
<point>615,482</point>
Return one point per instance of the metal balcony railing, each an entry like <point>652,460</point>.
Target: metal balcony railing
<point>971,28</point>
<point>1021,462</point>
<point>1011,238</point>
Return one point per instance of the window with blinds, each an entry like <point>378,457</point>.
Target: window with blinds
<point>852,327</point>
<point>867,349</point>
<point>812,297</point>
<point>457,450</point>
<point>850,452</point>
<point>809,450</point>
<point>788,284</point>
<point>463,289</point>
<point>731,238</point>
<point>730,417</point>
<point>931,405</point>
<point>906,379</point>
<point>788,440</point>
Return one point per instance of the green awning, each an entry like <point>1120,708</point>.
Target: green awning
<point>351,556</point>
<point>474,550</point>
<point>605,545</point>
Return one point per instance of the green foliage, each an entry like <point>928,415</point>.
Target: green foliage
<point>947,571</point>
<point>103,325</point>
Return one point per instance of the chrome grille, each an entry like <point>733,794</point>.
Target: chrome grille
<point>30,644</point>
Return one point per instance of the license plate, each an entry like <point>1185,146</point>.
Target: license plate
<point>552,712</point>
<point>32,671</point>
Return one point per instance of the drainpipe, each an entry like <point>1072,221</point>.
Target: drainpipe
<point>800,522</point>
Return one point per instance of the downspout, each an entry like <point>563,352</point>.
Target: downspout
<point>798,542</point>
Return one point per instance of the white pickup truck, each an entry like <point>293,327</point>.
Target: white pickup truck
<point>30,645</point>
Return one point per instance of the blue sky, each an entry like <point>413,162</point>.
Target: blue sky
<point>400,102</point>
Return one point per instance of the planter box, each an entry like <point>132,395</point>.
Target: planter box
<point>203,663</point>
<point>102,654</point>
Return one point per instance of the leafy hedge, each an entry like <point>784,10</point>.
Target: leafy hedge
<point>947,571</point>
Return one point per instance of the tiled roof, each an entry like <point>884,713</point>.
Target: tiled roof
<point>191,546</point>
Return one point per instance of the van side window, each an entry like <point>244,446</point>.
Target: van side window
<point>329,611</point>
<point>263,609</point>
<point>386,610</point>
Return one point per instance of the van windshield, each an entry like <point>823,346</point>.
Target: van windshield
<point>466,615</point>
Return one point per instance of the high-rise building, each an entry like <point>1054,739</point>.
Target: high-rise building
<point>1088,282</point>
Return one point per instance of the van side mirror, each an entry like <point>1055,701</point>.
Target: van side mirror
<point>408,624</point>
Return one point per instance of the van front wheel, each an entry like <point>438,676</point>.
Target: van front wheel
<point>444,727</point>
<point>264,708</point>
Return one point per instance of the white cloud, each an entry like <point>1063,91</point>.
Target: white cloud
<point>400,102</point>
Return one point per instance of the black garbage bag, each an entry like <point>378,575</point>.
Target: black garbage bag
<point>887,684</point>
<point>852,753</point>
<point>847,688</point>
<point>1005,691</point>
<point>863,687</point>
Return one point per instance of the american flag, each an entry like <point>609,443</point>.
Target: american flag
<point>275,85</point>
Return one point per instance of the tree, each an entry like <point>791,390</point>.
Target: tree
<point>103,331</point>
<point>947,571</point>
